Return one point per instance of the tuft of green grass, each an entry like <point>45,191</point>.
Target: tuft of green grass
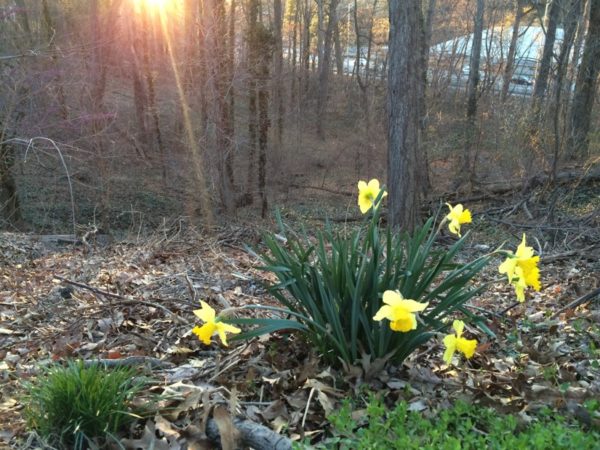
<point>77,407</point>
<point>461,427</point>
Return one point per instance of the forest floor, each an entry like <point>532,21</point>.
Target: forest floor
<point>135,299</point>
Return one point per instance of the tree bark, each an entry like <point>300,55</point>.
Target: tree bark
<point>571,20</point>
<point>339,53</point>
<point>151,92</point>
<point>512,49</point>
<point>468,166</point>
<point>324,68</point>
<point>541,82</point>
<point>405,76</point>
<point>10,207</point>
<point>306,47</point>
<point>585,87</point>
<point>278,110</point>
<point>50,35</point>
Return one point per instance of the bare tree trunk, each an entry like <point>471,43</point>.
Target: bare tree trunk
<point>306,47</point>
<point>222,74</point>
<point>190,69</point>
<point>363,82</point>
<point>571,20</point>
<point>405,75</point>
<point>585,87</point>
<point>140,100</point>
<point>294,56</point>
<point>10,207</point>
<point>50,35</point>
<point>149,75</point>
<point>320,29</point>
<point>428,28</point>
<point>468,166</point>
<point>278,110</point>
<point>202,66</point>
<point>541,82</point>
<point>101,56</point>
<point>252,99</point>
<point>512,49</point>
<point>339,53</point>
<point>263,126</point>
<point>324,69</point>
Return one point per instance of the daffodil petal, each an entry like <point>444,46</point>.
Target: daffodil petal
<point>450,343</point>
<point>206,313</point>
<point>385,312</point>
<point>392,298</point>
<point>413,306</point>
<point>458,326</point>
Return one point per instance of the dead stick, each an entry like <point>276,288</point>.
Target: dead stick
<point>89,288</point>
<point>130,361</point>
<point>575,303</point>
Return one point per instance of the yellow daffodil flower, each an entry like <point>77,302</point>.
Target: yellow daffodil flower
<point>455,342</point>
<point>399,311</point>
<point>522,270</point>
<point>367,194</point>
<point>456,217</point>
<point>212,325</point>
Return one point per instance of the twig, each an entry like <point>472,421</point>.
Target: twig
<point>567,254</point>
<point>90,288</point>
<point>575,303</point>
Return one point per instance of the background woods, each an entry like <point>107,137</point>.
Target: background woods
<point>122,112</point>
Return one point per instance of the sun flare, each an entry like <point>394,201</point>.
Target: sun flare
<point>154,5</point>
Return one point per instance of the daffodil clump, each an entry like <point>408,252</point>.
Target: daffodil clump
<point>374,291</point>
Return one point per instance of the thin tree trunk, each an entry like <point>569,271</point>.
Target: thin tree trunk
<point>50,35</point>
<point>202,66</point>
<point>149,75</point>
<point>512,49</point>
<point>468,166</point>
<point>541,82</point>
<point>585,87</point>
<point>294,62</point>
<point>324,69</point>
<point>252,99</point>
<point>278,110</point>
<point>339,53</point>
<point>405,76</point>
<point>139,94</point>
<point>306,47</point>
<point>9,197</point>
<point>570,26</point>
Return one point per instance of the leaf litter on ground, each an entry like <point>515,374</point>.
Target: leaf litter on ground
<point>130,300</point>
